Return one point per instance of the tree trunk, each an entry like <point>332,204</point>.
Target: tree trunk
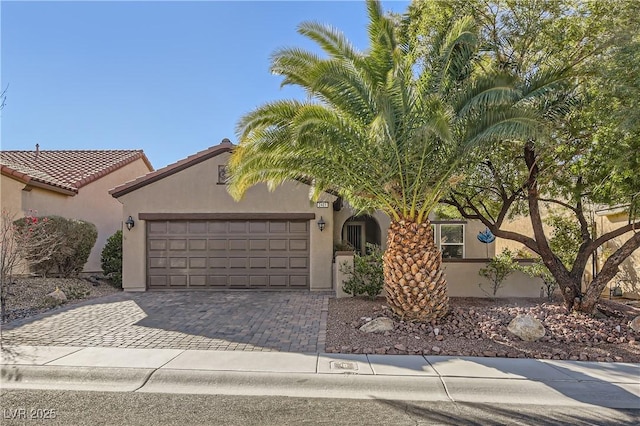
<point>415,286</point>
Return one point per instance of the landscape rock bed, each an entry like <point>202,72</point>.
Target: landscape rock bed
<point>28,296</point>
<point>478,327</point>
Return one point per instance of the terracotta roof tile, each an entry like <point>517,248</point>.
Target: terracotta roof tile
<point>67,170</point>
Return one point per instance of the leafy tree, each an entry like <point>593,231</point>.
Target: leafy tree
<point>387,131</point>
<point>497,270</point>
<point>588,158</point>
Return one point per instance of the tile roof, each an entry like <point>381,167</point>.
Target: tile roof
<point>65,171</point>
<point>125,188</point>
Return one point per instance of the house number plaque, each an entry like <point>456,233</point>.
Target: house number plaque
<point>322,204</point>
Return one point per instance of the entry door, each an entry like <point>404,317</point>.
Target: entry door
<point>354,233</point>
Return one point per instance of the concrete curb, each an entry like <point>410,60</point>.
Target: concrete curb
<point>74,378</point>
<point>345,386</point>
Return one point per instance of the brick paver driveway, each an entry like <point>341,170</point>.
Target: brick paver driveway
<point>249,321</point>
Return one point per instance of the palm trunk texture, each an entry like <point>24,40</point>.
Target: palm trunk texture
<point>415,287</point>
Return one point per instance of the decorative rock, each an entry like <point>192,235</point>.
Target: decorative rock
<point>380,351</point>
<point>56,297</point>
<point>635,323</point>
<point>400,347</point>
<point>378,325</point>
<point>526,327</point>
<point>436,350</point>
<point>440,337</point>
<point>436,331</point>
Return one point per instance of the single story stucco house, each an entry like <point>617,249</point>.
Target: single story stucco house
<point>188,233</point>
<point>70,183</point>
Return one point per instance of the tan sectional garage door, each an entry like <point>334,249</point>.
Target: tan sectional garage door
<point>228,254</point>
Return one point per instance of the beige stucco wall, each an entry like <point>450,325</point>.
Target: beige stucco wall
<point>195,190</point>
<point>93,203</point>
<point>11,195</point>
<point>629,277</point>
<point>463,279</point>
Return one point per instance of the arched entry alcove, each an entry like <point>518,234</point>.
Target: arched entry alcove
<point>359,230</point>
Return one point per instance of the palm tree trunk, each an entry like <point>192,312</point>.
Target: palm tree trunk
<point>415,287</point>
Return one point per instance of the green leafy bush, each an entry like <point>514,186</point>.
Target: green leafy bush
<point>366,273</point>
<point>78,238</point>
<point>111,259</point>
<point>497,270</point>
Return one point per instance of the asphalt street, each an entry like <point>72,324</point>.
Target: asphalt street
<point>22,407</point>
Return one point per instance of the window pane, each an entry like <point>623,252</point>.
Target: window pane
<point>451,234</point>
<point>449,252</point>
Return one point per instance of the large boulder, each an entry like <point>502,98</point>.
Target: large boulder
<point>526,327</point>
<point>56,297</point>
<point>378,325</point>
<point>635,323</point>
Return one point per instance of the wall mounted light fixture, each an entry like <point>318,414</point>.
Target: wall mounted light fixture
<point>130,223</point>
<point>321,224</point>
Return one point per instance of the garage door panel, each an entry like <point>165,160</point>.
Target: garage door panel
<point>258,227</point>
<point>238,245</point>
<point>155,244</point>
<point>258,262</point>
<point>258,281</point>
<point>278,262</point>
<point>277,245</point>
<point>258,245</point>
<point>178,262</point>
<point>198,262</point>
<point>238,263</point>
<point>218,245</point>
<point>217,281</point>
<point>217,227</point>
<point>197,227</point>
<point>238,281</point>
<point>299,281</point>
<point>218,262</point>
<point>298,263</point>
<point>178,245</point>
<point>277,227</point>
<point>257,254</point>
<point>197,280</point>
<point>158,262</point>
<point>157,281</point>
<point>157,227</point>
<point>197,245</point>
<point>237,227</point>
<point>281,281</point>
<point>178,280</point>
<point>177,227</point>
<point>298,245</point>
<point>298,227</point>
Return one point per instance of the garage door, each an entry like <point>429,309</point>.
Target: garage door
<point>228,254</point>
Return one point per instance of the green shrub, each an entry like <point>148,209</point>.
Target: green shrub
<point>78,238</point>
<point>76,291</point>
<point>366,273</point>
<point>497,270</point>
<point>111,259</point>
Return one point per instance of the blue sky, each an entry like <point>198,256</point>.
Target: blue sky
<point>171,78</point>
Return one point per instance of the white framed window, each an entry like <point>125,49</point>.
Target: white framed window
<point>449,238</point>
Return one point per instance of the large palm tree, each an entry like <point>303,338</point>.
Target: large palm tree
<point>386,132</point>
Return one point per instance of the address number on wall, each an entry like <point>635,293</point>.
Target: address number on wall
<point>322,204</point>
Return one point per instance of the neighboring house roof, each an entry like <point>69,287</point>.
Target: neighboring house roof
<point>125,188</point>
<point>65,171</point>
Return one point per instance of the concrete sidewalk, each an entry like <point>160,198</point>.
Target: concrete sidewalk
<point>393,377</point>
